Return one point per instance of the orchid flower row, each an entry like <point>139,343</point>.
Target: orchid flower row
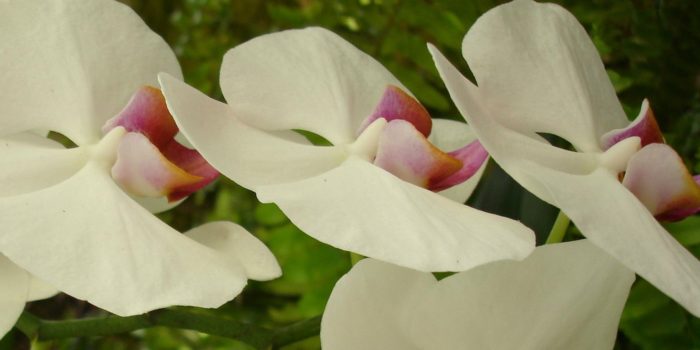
<point>389,184</point>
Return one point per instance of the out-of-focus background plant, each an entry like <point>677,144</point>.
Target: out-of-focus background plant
<point>650,48</point>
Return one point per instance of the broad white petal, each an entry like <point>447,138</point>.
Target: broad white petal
<point>510,148</point>
<point>39,290</point>
<point>89,239</point>
<point>449,135</point>
<point>13,293</point>
<point>612,218</point>
<point>309,79</point>
<point>240,247</point>
<point>363,209</point>
<point>563,296</point>
<point>538,71</point>
<point>69,65</point>
<point>247,155</point>
<point>29,162</point>
<point>156,204</point>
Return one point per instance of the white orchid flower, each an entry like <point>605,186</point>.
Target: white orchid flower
<point>562,296</point>
<point>18,288</point>
<point>538,72</point>
<point>372,190</point>
<point>83,69</point>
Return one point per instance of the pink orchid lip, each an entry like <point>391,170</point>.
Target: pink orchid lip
<point>396,104</point>
<point>644,126</point>
<point>472,156</point>
<point>660,180</point>
<point>406,153</point>
<point>155,164</point>
<point>403,151</point>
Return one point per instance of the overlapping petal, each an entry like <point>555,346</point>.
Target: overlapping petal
<point>250,156</point>
<point>236,244</point>
<point>68,66</point>
<point>538,71</point>
<point>388,219</point>
<point>141,264</point>
<point>13,294</point>
<point>584,185</point>
<point>563,296</point>
<point>307,79</point>
<point>30,162</point>
<point>509,147</point>
<point>38,289</point>
<point>615,220</point>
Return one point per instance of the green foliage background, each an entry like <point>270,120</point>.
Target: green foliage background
<point>650,48</point>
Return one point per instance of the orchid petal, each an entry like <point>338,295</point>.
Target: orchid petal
<point>538,71</point>
<point>39,290</point>
<point>249,156</point>
<point>155,205</point>
<point>659,179</point>
<point>15,283</point>
<point>404,152</point>
<point>399,105</point>
<point>507,146</point>
<point>612,218</point>
<point>309,79</point>
<point>69,65</point>
<point>364,209</point>
<point>95,243</point>
<point>644,126</point>
<point>30,162</point>
<point>452,135</point>
<point>142,170</point>
<point>240,247</point>
<point>503,305</point>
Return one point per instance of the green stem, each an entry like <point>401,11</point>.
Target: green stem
<point>296,332</point>
<point>258,337</point>
<point>561,224</point>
